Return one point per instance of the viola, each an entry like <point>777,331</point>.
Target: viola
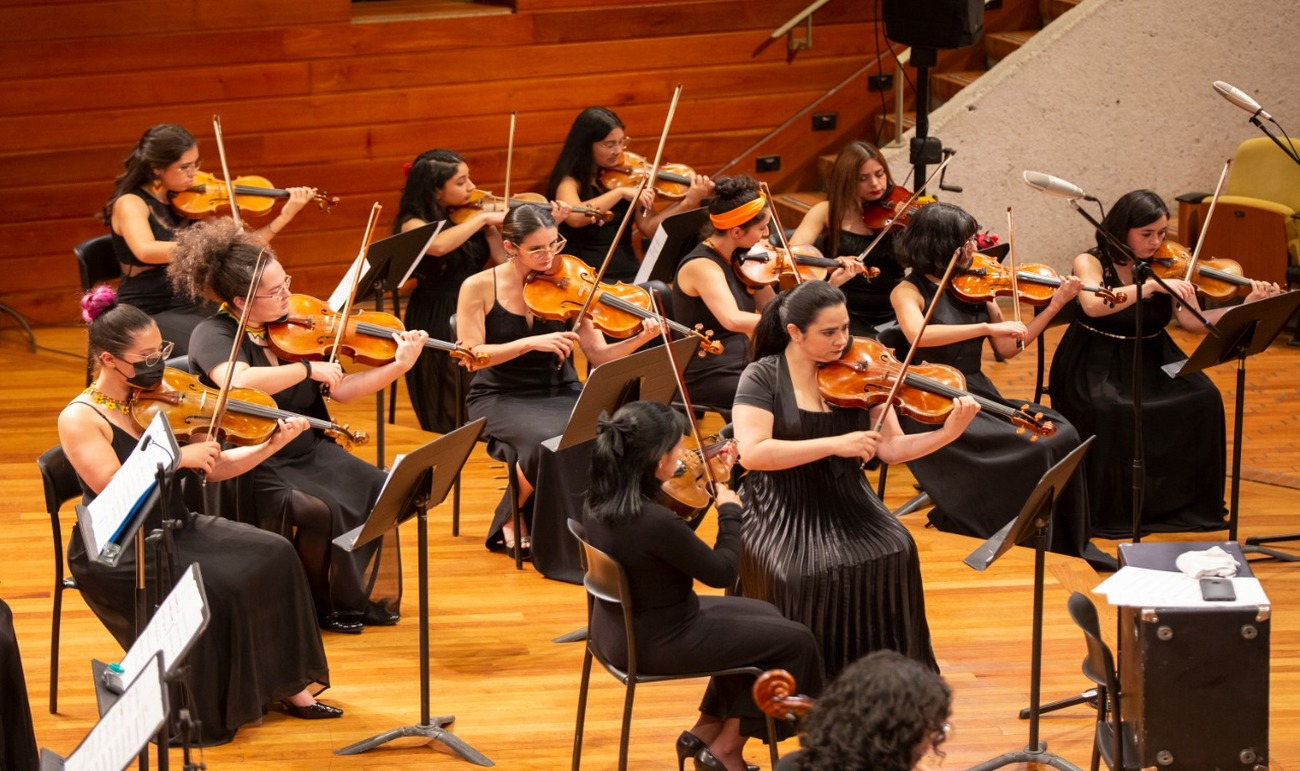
<point>1217,279</point>
<point>774,694</point>
<point>250,416</point>
<point>672,180</point>
<point>687,493</point>
<point>310,329</point>
<point>987,278</point>
<point>887,212</point>
<point>481,200</point>
<point>864,375</point>
<point>253,195</point>
<point>766,265</point>
<point>618,309</point>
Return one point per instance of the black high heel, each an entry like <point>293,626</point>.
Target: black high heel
<point>704,760</point>
<point>688,744</point>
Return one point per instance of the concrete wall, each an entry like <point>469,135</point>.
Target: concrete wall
<point>1114,96</point>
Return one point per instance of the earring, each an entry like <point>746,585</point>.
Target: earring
<point>157,185</point>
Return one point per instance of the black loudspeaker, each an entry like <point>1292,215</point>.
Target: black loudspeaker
<point>934,23</point>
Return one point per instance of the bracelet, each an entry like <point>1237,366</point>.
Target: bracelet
<point>306,364</point>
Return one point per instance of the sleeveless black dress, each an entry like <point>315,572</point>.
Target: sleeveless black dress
<point>1186,458</point>
<point>149,290</point>
<point>261,643</point>
<point>868,299</point>
<point>311,465</point>
<point>590,243</point>
<point>712,380</point>
<point>17,739</point>
<point>819,544</point>
<point>526,400</point>
<point>980,480</point>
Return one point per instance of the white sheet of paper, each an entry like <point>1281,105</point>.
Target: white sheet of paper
<point>651,255</point>
<point>1143,587</point>
<point>339,297</point>
<point>115,741</point>
<point>132,483</point>
<point>175,624</point>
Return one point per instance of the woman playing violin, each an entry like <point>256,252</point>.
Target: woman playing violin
<point>261,642</point>
<point>144,225</point>
<point>313,491</point>
<point>436,182</point>
<point>818,543</point>
<point>979,482</point>
<point>676,630</point>
<point>859,179</point>
<point>531,386</point>
<point>595,142</point>
<point>1092,385</point>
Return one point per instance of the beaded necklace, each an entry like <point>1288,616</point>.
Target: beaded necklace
<point>99,397</point>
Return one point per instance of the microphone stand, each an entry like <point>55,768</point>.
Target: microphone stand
<point>1141,271</point>
<point>1290,151</point>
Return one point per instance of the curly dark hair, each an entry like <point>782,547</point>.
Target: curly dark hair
<point>214,260</point>
<point>879,714</point>
<point>731,192</point>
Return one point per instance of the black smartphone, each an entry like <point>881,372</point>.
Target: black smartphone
<point>1217,590</point>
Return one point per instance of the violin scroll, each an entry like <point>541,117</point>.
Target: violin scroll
<point>773,694</point>
<point>1110,296</point>
<point>345,437</point>
<point>1035,424</point>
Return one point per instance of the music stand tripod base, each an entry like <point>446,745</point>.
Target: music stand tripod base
<point>433,731</point>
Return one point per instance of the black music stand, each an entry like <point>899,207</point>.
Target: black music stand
<point>1031,526</point>
<point>1246,330</point>
<point>391,261</point>
<point>124,730</point>
<point>419,480</point>
<point>676,237</point>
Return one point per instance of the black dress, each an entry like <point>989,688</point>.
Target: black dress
<point>311,471</point>
<point>261,643</point>
<point>149,289</point>
<point>1092,385</point>
<point>526,400</point>
<point>677,631</point>
<point>868,299</point>
<point>980,480</point>
<point>17,739</point>
<point>712,380</point>
<point>591,242</point>
<point>820,545</point>
<point>432,381</point>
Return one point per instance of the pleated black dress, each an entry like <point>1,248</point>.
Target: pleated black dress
<point>677,631</point>
<point>868,299</point>
<point>261,643</point>
<point>819,544</point>
<point>712,380</point>
<point>980,480</point>
<point>526,400</point>
<point>432,381</point>
<point>17,739</point>
<point>311,466</point>
<point>1183,419</point>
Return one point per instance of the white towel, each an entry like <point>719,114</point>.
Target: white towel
<point>1213,562</point>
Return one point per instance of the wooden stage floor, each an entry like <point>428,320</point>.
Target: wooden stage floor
<point>514,692</point>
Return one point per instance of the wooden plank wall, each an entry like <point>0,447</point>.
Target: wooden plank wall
<point>306,96</point>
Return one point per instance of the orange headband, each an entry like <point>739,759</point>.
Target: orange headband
<point>739,215</point>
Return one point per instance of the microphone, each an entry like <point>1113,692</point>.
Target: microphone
<point>1240,98</point>
<point>1055,186</point>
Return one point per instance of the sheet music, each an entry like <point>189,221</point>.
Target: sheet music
<point>423,250</point>
<point>1146,588</point>
<point>339,297</point>
<point>652,251</point>
<point>118,737</point>
<point>174,626</point>
<point>113,508</point>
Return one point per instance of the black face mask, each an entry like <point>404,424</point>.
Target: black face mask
<point>147,376</point>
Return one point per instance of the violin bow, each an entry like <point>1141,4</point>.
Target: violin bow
<point>1015,280</point>
<point>1205,226</point>
<point>686,400</point>
<point>907,204</point>
<point>356,279</point>
<point>663,138</point>
<point>510,154</point>
<point>771,202</point>
<point>925,322</point>
<point>230,188</point>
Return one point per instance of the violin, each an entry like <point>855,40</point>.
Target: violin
<point>618,310</point>
<point>253,195</point>
<point>766,265</point>
<point>886,214</point>
<point>1217,279</point>
<point>672,181</point>
<point>864,375</point>
<point>481,200</point>
<point>773,693</point>
<point>687,493</point>
<point>987,278</point>
<point>310,329</point>
<point>250,416</point>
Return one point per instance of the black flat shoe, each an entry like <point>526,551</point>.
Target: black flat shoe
<point>377,615</point>
<point>333,622</point>
<point>316,711</point>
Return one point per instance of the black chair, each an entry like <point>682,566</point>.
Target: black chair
<point>605,580</point>
<point>61,486</point>
<point>97,264</point>
<point>1114,740</point>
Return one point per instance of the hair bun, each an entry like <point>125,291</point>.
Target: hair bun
<point>96,301</point>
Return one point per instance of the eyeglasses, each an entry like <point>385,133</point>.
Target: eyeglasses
<point>189,167</point>
<point>163,353</point>
<point>280,291</point>
<point>613,144</point>
<point>554,247</point>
